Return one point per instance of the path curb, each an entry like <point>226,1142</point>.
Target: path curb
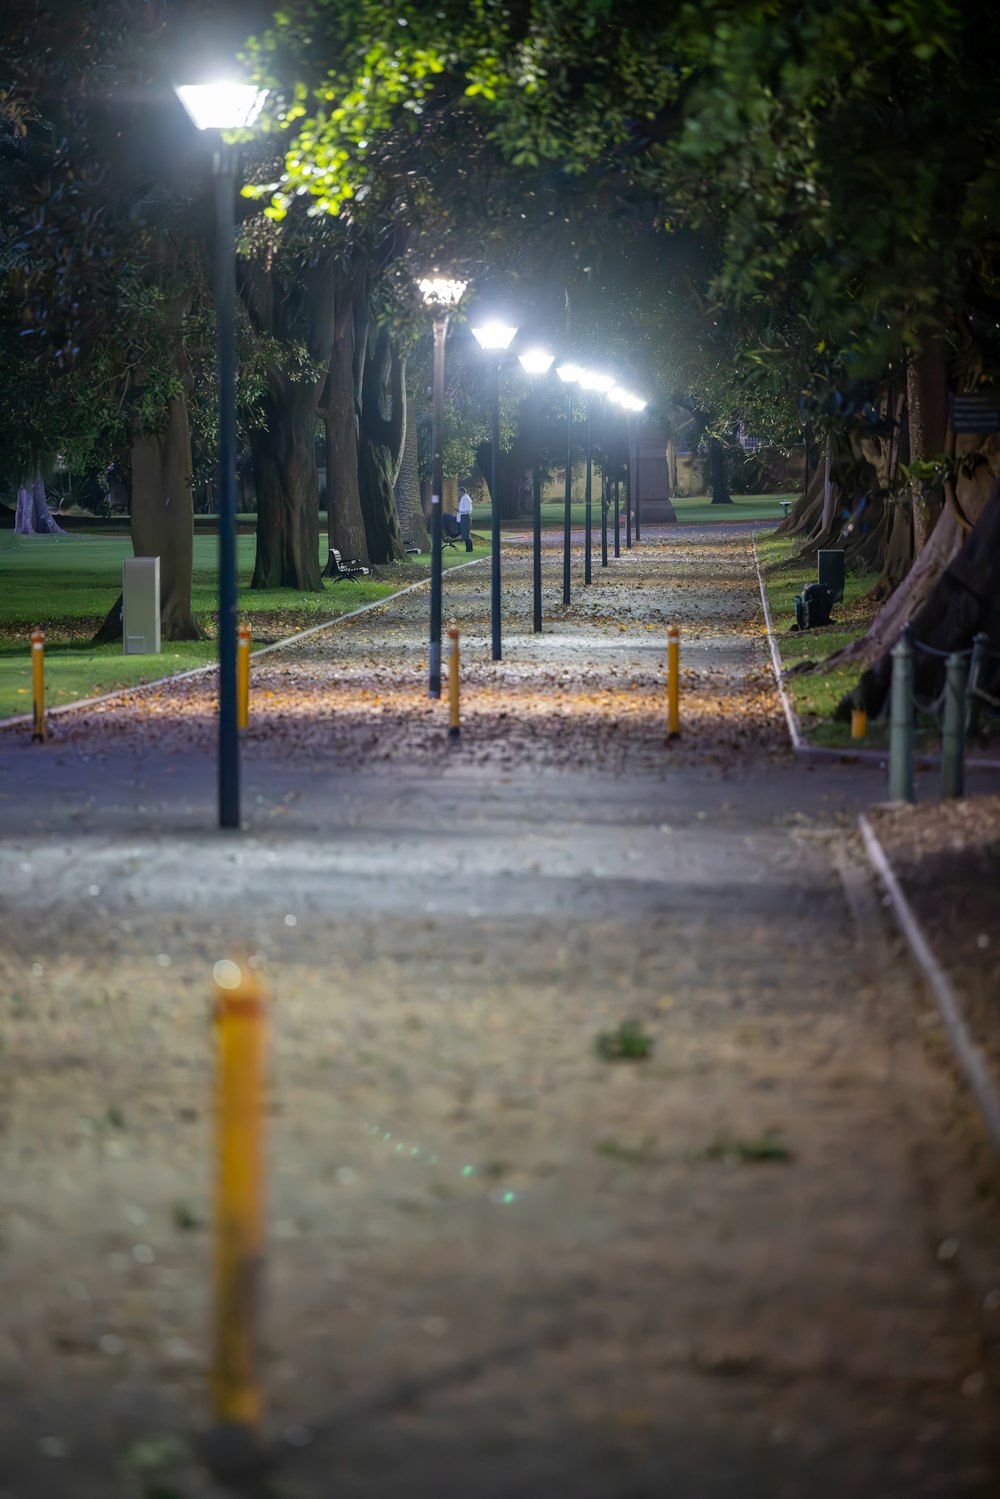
<point>970,1057</point>
<point>201,671</point>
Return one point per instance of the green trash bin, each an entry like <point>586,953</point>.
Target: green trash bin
<point>831,571</point>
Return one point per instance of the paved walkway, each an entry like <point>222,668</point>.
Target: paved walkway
<point>750,1265</point>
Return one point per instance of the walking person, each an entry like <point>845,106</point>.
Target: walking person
<point>465,517</point>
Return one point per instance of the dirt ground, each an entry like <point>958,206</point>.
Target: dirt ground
<point>763,1261</point>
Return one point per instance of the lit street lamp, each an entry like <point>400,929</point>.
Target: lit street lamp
<point>495,338</point>
<point>536,362</point>
<point>220,106</point>
<point>441,295</point>
<point>570,375</point>
<point>592,383</point>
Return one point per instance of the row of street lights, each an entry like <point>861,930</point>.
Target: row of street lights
<point>228,106</point>
<point>495,337</point>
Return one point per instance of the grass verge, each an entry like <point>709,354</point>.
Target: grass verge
<point>816,694</point>
<point>68,584</point>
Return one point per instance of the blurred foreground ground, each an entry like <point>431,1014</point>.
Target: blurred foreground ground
<point>762,1262</point>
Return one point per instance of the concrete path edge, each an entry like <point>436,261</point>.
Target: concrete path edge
<point>968,1054</point>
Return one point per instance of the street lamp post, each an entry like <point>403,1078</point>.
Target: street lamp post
<point>605,493</point>
<point>440,295</point>
<point>635,407</point>
<point>621,398</point>
<point>219,107</point>
<point>628,479</point>
<point>495,338</point>
<point>536,362</point>
<point>569,374</point>
<point>592,383</point>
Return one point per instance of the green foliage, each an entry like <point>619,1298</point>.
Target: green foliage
<point>753,1150</point>
<point>627,1043</point>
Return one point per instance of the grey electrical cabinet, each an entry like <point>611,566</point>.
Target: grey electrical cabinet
<point>141,606</point>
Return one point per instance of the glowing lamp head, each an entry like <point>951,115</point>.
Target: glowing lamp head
<point>536,361</point>
<point>636,405</point>
<point>222,105</point>
<point>494,336</point>
<point>591,380</point>
<point>570,374</point>
<point>439,291</point>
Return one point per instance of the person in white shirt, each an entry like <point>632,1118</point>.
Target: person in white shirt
<point>465,517</point>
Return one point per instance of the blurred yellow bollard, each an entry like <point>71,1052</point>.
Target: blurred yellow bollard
<point>673,683</point>
<point>455,728</point>
<point>859,723</point>
<point>239,1212</point>
<point>243,677</point>
<point>38,683</point>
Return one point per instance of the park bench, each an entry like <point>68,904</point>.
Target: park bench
<point>337,569</point>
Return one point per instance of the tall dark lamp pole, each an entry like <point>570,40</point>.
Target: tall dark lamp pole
<point>495,338</point>
<point>536,362</point>
<point>569,374</point>
<point>594,384</point>
<point>440,295</point>
<point>628,479</point>
<point>636,407</point>
<point>620,397</point>
<point>220,107</point>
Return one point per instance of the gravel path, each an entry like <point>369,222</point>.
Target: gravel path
<point>758,1263</point>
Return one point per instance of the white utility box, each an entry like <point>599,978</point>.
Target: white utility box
<point>141,606</point>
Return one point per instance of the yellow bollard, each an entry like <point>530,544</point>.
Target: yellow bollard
<point>859,723</point>
<point>243,677</point>
<point>673,683</point>
<point>239,1214</point>
<point>38,683</point>
<point>455,728</point>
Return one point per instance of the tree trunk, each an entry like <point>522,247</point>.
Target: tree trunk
<point>511,467</point>
<point>927,407</point>
<point>964,599</point>
<point>383,414</point>
<point>804,514</point>
<point>671,469</point>
<point>284,464</point>
<point>163,516</point>
<point>830,491</point>
<point>294,303</point>
<point>161,497</point>
<point>408,506</point>
<point>33,516</point>
<point>339,410</point>
<point>717,465</point>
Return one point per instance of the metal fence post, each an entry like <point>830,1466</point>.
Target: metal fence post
<point>901,723</point>
<point>953,734</point>
<point>973,706</point>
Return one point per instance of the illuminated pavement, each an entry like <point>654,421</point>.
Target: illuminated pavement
<point>498,1264</point>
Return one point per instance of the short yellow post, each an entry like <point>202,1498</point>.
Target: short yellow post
<point>859,723</point>
<point>239,1212</point>
<point>673,683</point>
<point>243,677</point>
<point>38,683</point>
<point>455,728</point>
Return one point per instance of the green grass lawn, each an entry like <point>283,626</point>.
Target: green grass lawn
<point>67,585</point>
<point>697,510</point>
<point>815,695</point>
